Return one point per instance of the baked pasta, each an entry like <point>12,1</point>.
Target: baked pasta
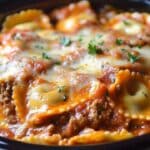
<point>75,76</point>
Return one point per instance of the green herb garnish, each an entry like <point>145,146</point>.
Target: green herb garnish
<point>39,46</point>
<point>45,56</point>
<point>145,94</point>
<point>61,89</point>
<point>101,43</point>
<point>127,23</point>
<point>99,35</point>
<point>57,63</point>
<point>94,45</point>
<point>139,46</point>
<point>80,38</point>
<point>65,41</point>
<point>119,41</point>
<point>93,48</point>
<point>124,50</point>
<point>132,58</point>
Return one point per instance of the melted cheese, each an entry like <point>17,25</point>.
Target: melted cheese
<point>93,65</point>
<point>145,54</point>
<point>9,70</point>
<point>132,28</point>
<point>53,77</point>
<point>48,100</point>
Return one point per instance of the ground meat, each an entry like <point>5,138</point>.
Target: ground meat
<point>108,75</point>
<point>92,114</point>
<point>6,102</point>
<point>96,114</point>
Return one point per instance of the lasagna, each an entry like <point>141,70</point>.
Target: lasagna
<point>75,76</point>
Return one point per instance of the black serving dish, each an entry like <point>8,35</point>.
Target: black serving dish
<point>10,6</point>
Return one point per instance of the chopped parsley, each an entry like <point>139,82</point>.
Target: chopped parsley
<point>132,58</point>
<point>45,56</point>
<point>94,45</point>
<point>119,41</point>
<point>139,46</point>
<point>40,46</point>
<point>61,89</point>
<point>101,43</point>
<point>99,35</point>
<point>57,63</point>
<point>145,94</point>
<point>124,50</point>
<point>65,41</point>
<point>126,22</point>
<point>93,48</point>
<point>80,38</point>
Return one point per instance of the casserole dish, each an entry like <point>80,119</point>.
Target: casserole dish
<point>140,141</point>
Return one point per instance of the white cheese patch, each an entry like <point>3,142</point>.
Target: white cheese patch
<point>145,54</point>
<point>131,28</point>
<point>90,64</point>
<point>9,69</point>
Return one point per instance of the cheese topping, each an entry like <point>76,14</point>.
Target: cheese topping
<point>77,79</point>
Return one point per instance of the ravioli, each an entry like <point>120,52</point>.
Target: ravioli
<point>84,79</point>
